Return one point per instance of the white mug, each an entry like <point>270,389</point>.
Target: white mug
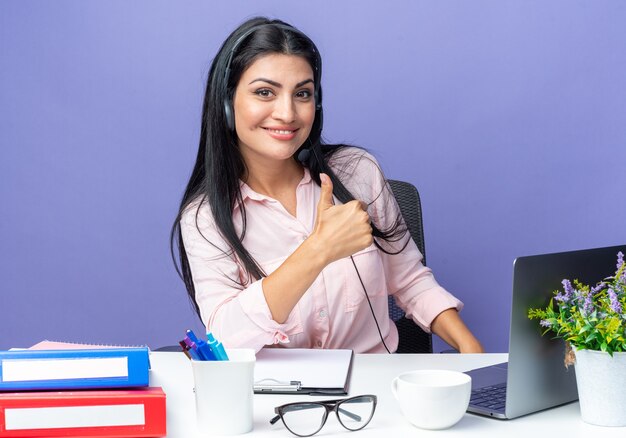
<point>224,391</point>
<point>432,399</point>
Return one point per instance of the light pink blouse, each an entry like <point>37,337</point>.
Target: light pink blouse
<point>333,313</point>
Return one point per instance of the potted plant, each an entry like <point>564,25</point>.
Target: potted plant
<point>592,321</point>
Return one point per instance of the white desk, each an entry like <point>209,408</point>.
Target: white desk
<point>372,374</point>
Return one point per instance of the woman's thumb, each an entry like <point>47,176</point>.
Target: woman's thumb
<point>326,196</point>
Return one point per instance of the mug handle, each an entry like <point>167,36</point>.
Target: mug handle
<point>394,387</point>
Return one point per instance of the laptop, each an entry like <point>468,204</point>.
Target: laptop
<point>535,377</point>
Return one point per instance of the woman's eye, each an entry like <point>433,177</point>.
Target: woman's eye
<point>263,92</point>
<point>303,94</point>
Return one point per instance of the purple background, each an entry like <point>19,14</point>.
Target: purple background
<point>509,116</point>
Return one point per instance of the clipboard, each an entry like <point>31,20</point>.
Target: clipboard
<point>302,371</point>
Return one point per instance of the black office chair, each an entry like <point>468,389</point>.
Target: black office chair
<point>412,338</point>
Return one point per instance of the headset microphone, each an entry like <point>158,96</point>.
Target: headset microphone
<point>304,154</point>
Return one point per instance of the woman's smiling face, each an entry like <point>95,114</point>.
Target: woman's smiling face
<point>274,107</point>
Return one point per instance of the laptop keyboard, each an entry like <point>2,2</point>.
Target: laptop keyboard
<point>490,397</point>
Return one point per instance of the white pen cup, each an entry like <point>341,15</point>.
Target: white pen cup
<point>224,392</point>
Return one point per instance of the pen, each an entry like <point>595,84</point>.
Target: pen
<point>206,351</point>
<point>185,349</point>
<point>272,385</point>
<point>216,347</point>
<point>201,347</point>
<point>192,349</point>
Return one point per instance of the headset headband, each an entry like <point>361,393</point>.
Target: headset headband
<point>316,67</point>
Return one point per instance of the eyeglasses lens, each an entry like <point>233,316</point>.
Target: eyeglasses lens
<point>356,412</point>
<point>304,419</point>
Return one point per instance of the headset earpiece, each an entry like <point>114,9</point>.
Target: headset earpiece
<point>228,114</point>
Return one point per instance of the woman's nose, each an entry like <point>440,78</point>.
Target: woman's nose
<point>284,109</point>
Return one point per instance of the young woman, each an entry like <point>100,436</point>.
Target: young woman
<point>287,241</point>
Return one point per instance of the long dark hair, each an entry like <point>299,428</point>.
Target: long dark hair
<point>219,164</point>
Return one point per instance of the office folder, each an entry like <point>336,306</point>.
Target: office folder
<point>302,371</point>
<point>103,413</point>
<point>74,369</point>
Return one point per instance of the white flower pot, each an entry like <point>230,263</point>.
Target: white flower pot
<point>601,381</point>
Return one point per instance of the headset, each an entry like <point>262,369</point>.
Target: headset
<point>229,113</point>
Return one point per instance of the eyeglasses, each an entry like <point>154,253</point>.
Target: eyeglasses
<point>307,418</point>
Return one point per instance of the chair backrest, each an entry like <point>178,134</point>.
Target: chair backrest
<point>412,338</point>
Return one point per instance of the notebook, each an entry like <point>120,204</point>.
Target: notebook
<point>535,377</point>
<point>302,371</point>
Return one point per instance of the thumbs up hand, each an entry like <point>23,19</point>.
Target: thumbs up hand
<point>340,230</point>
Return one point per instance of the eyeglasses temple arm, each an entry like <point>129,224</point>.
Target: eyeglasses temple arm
<point>275,419</point>
<point>355,417</point>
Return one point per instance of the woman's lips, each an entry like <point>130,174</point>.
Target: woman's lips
<point>281,133</point>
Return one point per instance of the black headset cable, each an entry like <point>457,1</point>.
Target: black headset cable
<point>370,304</point>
